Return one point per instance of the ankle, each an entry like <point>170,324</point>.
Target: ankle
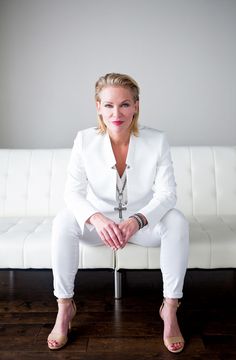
<point>174,303</point>
<point>65,300</point>
<point>64,303</point>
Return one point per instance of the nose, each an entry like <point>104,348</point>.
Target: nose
<point>116,111</point>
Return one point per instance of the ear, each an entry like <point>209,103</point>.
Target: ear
<point>136,106</point>
<point>98,106</point>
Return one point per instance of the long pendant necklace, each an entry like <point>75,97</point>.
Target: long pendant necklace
<point>120,207</point>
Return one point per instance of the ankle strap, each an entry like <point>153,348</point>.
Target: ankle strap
<point>64,301</point>
<point>172,305</point>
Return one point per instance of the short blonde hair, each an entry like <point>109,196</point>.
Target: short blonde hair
<point>122,80</point>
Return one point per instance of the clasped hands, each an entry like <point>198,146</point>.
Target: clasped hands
<point>112,234</point>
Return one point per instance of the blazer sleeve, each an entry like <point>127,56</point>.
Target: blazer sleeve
<point>164,187</point>
<point>76,185</point>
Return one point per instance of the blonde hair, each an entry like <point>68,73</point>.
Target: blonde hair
<point>122,80</point>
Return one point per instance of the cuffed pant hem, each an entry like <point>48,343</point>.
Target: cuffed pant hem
<point>63,296</point>
<point>173,295</point>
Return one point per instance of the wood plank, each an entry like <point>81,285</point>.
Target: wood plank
<point>126,329</point>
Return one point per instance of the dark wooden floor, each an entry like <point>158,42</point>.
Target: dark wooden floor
<point>108,329</point>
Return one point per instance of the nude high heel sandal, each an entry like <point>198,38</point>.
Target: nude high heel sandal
<point>57,339</point>
<point>171,340</point>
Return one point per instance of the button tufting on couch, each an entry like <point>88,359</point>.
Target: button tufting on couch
<point>31,193</point>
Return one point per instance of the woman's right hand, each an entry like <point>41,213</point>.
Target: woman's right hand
<point>108,230</point>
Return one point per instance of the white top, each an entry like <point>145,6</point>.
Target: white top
<point>120,182</point>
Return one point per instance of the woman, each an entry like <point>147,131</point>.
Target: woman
<point>120,188</point>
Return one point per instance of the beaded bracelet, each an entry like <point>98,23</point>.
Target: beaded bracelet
<point>140,220</point>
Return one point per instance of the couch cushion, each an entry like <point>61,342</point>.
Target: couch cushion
<point>206,179</point>
<point>25,243</point>
<point>212,245</point>
<point>32,181</point>
<point>212,242</point>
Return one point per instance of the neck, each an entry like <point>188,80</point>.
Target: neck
<point>120,139</point>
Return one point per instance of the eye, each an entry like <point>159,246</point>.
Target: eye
<point>108,106</point>
<point>126,104</point>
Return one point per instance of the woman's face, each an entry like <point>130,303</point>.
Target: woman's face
<point>117,108</point>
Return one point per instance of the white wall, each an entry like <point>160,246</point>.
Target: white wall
<point>181,52</point>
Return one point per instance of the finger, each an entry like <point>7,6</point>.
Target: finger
<point>109,239</point>
<point>119,234</point>
<point>111,231</point>
<point>106,240</point>
<point>123,244</point>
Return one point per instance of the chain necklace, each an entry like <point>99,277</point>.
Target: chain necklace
<point>120,207</point>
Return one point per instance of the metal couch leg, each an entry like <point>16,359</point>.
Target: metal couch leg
<point>118,284</point>
<point>11,281</point>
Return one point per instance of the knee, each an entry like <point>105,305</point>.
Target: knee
<point>175,220</point>
<point>64,222</point>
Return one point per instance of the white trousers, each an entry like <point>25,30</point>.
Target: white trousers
<point>171,234</point>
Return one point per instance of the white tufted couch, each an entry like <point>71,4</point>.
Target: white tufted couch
<point>31,193</point>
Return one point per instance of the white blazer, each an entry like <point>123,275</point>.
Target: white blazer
<point>91,178</point>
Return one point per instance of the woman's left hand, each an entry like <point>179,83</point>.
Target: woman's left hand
<point>128,228</point>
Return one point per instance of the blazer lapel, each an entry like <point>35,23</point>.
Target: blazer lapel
<point>131,152</point>
<point>110,175</point>
<point>131,169</point>
<point>108,152</point>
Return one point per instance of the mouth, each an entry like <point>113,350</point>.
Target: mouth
<point>117,123</point>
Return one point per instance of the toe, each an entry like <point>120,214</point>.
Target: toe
<point>52,343</point>
<point>176,346</point>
